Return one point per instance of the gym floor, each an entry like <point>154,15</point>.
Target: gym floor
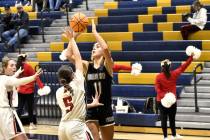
<point>46,132</point>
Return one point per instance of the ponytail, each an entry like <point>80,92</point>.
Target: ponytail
<point>65,76</point>
<point>20,61</point>
<point>166,70</point>
<point>66,86</point>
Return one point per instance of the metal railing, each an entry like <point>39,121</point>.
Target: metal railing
<point>47,105</point>
<point>18,40</point>
<point>42,27</point>
<point>68,7</point>
<point>87,7</point>
<point>195,84</point>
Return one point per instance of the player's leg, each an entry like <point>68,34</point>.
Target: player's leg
<point>94,129</point>
<point>92,122</point>
<point>9,130</point>
<point>80,131</point>
<point>61,132</point>
<point>106,123</point>
<point>107,132</point>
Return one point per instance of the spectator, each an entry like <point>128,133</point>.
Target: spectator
<point>20,21</point>
<point>26,92</point>
<point>7,17</point>
<point>41,5</point>
<point>22,2</point>
<point>165,87</point>
<point>6,20</point>
<point>55,7</point>
<point>197,22</point>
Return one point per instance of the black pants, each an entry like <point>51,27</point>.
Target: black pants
<point>22,100</point>
<point>164,114</point>
<point>188,29</point>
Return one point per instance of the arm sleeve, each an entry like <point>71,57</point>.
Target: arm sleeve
<point>13,81</point>
<point>157,85</point>
<point>30,71</point>
<point>183,67</point>
<point>117,68</point>
<point>201,20</point>
<point>79,80</point>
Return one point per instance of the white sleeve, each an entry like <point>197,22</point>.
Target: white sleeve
<point>201,20</point>
<point>13,81</point>
<point>79,80</point>
<point>58,94</point>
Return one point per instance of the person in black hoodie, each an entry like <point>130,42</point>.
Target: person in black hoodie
<point>20,21</point>
<point>6,23</point>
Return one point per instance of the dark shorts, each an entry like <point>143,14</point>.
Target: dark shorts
<point>103,115</point>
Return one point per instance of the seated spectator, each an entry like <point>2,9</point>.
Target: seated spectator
<point>7,17</point>
<point>197,22</point>
<point>55,7</point>
<point>6,23</point>
<point>20,21</point>
<point>22,2</point>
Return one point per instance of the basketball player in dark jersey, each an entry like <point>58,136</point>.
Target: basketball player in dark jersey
<point>99,74</point>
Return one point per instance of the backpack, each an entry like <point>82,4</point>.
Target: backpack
<point>150,106</point>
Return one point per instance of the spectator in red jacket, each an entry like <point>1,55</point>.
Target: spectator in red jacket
<point>165,84</point>
<point>26,92</point>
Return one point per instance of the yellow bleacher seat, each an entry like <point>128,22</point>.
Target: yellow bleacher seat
<point>14,9</point>
<point>44,56</point>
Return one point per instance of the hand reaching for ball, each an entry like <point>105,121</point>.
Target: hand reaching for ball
<point>69,33</point>
<point>93,27</point>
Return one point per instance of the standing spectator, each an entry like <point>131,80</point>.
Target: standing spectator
<point>26,92</point>
<point>20,20</point>
<point>55,7</point>
<point>197,22</point>
<point>41,5</point>
<point>165,86</point>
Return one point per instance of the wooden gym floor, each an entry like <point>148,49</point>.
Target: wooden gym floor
<point>47,132</point>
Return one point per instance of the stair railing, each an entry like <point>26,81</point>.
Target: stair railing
<point>42,27</point>
<point>87,7</point>
<point>195,85</point>
<point>18,40</point>
<point>68,6</point>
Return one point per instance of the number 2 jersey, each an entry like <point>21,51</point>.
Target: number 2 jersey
<point>73,104</point>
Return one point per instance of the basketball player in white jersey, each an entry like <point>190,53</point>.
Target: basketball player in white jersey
<point>71,97</point>
<point>9,100</point>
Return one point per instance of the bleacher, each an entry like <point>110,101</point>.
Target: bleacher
<point>145,31</point>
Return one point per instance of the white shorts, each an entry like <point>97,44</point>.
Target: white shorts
<point>8,125</point>
<point>74,130</point>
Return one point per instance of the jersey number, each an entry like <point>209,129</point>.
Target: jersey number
<point>68,103</point>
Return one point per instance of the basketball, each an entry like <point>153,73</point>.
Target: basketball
<point>79,22</point>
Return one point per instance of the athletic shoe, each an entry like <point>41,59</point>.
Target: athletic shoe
<point>177,137</point>
<point>32,126</point>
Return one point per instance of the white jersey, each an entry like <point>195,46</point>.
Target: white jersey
<point>7,84</point>
<point>73,104</point>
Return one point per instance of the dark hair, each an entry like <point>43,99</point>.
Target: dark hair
<point>20,61</point>
<point>197,3</point>
<point>7,7</point>
<point>166,69</point>
<point>65,76</point>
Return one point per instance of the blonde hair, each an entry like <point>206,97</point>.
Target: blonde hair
<point>5,62</point>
